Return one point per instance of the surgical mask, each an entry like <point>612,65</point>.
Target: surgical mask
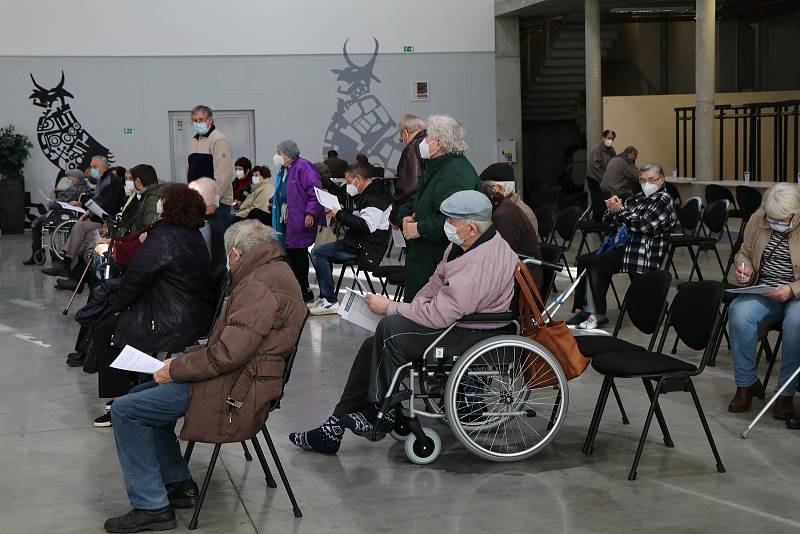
<point>159,207</point>
<point>200,127</point>
<point>351,190</point>
<point>129,187</point>
<point>94,173</point>
<point>608,142</point>
<point>424,149</point>
<point>779,226</point>
<point>239,173</point>
<point>256,179</point>
<point>452,234</point>
<point>649,189</point>
<point>277,160</point>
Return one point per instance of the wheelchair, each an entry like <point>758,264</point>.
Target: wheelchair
<point>55,232</point>
<point>505,398</point>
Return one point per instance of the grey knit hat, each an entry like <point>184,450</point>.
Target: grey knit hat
<point>290,148</point>
<point>73,172</point>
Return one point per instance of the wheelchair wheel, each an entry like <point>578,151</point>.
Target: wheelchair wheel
<point>506,398</point>
<point>401,431</point>
<point>423,452</point>
<point>58,238</point>
<point>40,257</point>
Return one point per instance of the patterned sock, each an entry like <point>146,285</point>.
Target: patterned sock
<point>367,420</point>
<point>324,439</point>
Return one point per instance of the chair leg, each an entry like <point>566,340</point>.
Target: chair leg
<point>369,282</point>
<point>339,282</point>
<point>674,270</point>
<point>659,415</point>
<point>187,454</point>
<point>675,345</point>
<point>695,265</point>
<point>281,472</point>
<point>263,461</point>
<point>728,230</point>
<point>616,296</point>
<point>581,244</point>
<point>204,489</point>
<point>719,261</point>
<point>718,341</point>
<point>247,455</point>
<point>720,467</point>
<point>625,420</point>
<point>566,265</point>
<point>588,444</point>
<point>645,430</point>
<point>772,355</point>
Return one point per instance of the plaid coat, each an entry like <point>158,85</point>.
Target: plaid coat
<point>650,220</point>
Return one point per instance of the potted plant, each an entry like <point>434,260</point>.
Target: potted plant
<point>15,149</point>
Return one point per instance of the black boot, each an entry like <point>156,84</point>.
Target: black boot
<point>182,494</point>
<point>139,520</point>
<point>76,359</point>
<point>59,268</point>
<point>29,261</point>
<point>68,284</point>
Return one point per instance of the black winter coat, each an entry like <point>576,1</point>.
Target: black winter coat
<point>167,294</point>
<point>368,243</point>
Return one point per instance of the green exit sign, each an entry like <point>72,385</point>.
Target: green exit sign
<point>128,131</point>
<point>408,49</point>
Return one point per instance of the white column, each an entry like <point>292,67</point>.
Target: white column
<point>508,89</point>
<point>594,90</point>
<point>705,43</point>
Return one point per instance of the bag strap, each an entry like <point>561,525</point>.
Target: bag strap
<point>528,288</point>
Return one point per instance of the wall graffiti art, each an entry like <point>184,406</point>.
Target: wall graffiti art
<point>361,122</point>
<point>61,136</point>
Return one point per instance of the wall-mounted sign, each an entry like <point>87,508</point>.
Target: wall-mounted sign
<point>419,91</point>
<point>506,151</point>
<point>408,49</point>
<point>128,131</point>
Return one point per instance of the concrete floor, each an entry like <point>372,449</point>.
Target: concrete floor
<point>59,474</point>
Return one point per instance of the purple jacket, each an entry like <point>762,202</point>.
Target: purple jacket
<point>301,180</point>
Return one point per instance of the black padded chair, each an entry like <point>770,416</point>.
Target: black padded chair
<point>550,254</point>
<point>715,218</point>
<point>592,221</point>
<point>694,315</point>
<point>546,216</point>
<point>274,405</point>
<point>564,228</point>
<point>394,275</point>
<point>716,192</point>
<point>677,201</point>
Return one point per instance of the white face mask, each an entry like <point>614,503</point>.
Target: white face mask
<point>424,149</point>
<point>129,187</point>
<point>277,160</point>
<point>779,226</point>
<point>256,179</point>
<point>159,207</point>
<point>239,173</point>
<point>351,190</point>
<point>649,189</point>
<point>452,234</point>
<point>608,142</point>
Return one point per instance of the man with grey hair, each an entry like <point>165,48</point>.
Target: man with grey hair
<point>210,156</point>
<point>621,175</point>
<point>474,275</point>
<point>213,231</point>
<point>447,171</point>
<point>240,368</point>
<point>412,131</point>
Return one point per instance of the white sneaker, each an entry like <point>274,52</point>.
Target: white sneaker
<point>592,322</point>
<point>325,308</point>
<point>312,305</point>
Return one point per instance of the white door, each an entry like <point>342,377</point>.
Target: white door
<point>239,126</point>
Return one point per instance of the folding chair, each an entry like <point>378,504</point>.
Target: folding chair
<point>565,226</point>
<point>715,218</point>
<point>688,219</point>
<point>546,216</point>
<point>716,192</point>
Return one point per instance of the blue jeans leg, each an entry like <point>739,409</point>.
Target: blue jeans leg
<point>322,257</point>
<point>148,451</point>
<point>747,313</point>
<point>225,215</point>
<point>790,348</point>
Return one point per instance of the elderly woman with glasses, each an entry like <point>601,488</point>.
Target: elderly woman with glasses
<point>770,255</point>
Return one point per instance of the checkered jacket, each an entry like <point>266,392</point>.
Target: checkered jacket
<point>650,220</point>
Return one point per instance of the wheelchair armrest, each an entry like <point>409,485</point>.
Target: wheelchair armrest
<point>502,317</point>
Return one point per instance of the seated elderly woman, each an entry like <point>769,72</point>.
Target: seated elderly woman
<point>243,362</point>
<point>256,205</point>
<point>648,216</point>
<point>770,255</point>
<point>475,275</point>
<point>166,297</point>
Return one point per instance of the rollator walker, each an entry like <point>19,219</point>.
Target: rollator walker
<point>505,397</point>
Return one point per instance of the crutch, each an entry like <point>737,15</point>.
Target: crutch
<point>75,292</point>
<point>743,433</point>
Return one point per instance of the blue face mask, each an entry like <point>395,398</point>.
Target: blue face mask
<point>779,226</point>
<point>200,127</point>
<point>94,173</point>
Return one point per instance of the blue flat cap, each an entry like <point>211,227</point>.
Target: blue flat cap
<point>472,205</point>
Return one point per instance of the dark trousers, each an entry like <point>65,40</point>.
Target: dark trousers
<point>260,215</point>
<point>600,267</point>
<point>36,231</point>
<point>110,382</point>
<point>397,340</point>
<point>298,261</point>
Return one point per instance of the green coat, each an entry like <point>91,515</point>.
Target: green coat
<point>442,177</point>
<point>142,211</point>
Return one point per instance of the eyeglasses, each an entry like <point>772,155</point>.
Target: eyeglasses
<point>649,180</point>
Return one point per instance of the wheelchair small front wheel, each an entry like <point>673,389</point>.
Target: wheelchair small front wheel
<point>402,430</point>
<point>40,257</point>
<point>423,451</point>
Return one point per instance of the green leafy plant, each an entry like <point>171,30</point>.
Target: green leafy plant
<point>15,149</point>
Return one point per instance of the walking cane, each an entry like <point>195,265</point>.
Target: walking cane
<point>743,433</point>
<point>75,292</point>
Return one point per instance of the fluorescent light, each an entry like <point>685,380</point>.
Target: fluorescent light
<point>674,10</point>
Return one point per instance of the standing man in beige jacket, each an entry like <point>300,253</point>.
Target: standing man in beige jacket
<point>210,156</point>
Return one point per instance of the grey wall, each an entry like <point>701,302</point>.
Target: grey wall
<point>293,96</point>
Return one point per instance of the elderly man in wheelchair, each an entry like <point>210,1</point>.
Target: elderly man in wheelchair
<point>452,340</point>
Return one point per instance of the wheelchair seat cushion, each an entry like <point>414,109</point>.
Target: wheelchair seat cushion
<point>639,363</point>
<point>591,346</point>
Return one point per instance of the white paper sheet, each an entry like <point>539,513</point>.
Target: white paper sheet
<point>68,206</point>
<point>327,200</point>
<point>131,359</point>
<point>95,208</point>
<point>397,238</point>
<point>355,310</point>
<point>759,289</point>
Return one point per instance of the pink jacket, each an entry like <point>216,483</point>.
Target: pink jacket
<point>479,281</point>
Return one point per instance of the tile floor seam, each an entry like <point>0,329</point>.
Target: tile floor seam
<point>239,495</point>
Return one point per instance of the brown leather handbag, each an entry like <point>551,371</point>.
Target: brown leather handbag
<point>554,336</point>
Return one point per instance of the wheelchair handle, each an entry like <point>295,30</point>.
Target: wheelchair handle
<point>545,264</point>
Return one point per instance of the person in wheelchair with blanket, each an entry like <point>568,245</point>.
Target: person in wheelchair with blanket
<point>475,275</point>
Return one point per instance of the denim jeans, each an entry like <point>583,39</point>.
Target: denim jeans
<point>323,256</point>
<point>225,215</point>
<point>148,451</point>
<point>747,313</point>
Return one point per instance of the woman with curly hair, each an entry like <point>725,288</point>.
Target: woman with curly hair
<point>166,298</point>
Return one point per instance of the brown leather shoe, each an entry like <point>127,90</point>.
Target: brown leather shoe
<point>743,399</point>
<point>783,408</point>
